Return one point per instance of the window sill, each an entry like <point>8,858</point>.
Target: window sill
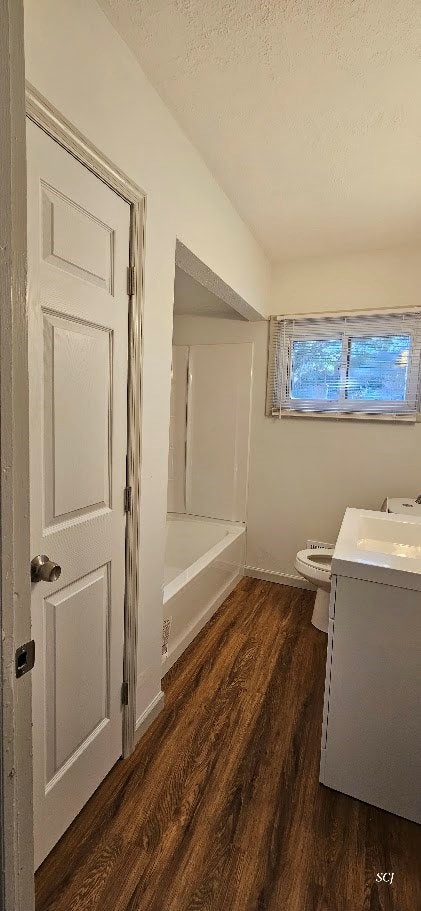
<point>352,416</point>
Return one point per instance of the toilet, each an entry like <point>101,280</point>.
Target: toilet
<point>315,566</point>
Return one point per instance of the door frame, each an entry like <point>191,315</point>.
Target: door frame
<point>16,814</point>
<point>52,122</point>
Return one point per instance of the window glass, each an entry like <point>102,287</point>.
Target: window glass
<point>378,368</point>
<point>315,369</point>
<point>345,364</point>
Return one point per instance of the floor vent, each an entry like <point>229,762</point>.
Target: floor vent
<point>166,630</point>
<point>315,545</point>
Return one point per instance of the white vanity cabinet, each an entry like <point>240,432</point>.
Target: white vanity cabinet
<point>371,738</point>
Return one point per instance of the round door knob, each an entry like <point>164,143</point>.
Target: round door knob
<point>44,570</point>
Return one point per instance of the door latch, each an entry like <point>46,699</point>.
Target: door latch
<point>25,658</point>
<point>131,280</point>
<point>127,499</point>
<point>124,693</point>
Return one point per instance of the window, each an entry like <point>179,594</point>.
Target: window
<point>349,365</point>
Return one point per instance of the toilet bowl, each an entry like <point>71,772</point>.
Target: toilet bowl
<point>315,566</point>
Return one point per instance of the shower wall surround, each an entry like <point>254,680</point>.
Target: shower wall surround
<point>210,430</point>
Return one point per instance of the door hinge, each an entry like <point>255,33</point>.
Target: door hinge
<point>127,499</point>
<point>125,693</point>
<point>25,658</point>
<point>131,280</point>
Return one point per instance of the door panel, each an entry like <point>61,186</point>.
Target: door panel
<point>77,619</point>
<point>78,251</point>
<point>77,414</point>
<point>74,240</point>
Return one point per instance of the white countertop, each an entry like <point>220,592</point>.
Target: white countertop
<point>379,547</point>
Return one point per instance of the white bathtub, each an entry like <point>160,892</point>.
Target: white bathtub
<point>204,560</point>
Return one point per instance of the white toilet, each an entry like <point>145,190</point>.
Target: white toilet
<point>315,566</point>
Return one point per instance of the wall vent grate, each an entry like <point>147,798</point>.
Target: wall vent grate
<point>315,545</point>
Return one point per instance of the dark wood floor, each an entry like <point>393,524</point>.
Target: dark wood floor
<point>220,808</point>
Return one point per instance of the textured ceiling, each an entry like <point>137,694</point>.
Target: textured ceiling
<point>308,112</point>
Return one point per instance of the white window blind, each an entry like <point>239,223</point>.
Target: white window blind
<point>358,364</point>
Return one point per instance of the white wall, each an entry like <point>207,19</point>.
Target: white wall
<point>304,472</point>
<point>387,278</point>
<point>76,59</point>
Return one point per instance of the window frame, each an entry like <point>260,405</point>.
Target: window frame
<point>285,330</point>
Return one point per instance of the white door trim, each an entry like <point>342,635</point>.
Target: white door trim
<point>16,836</point>
<point>41,112</point>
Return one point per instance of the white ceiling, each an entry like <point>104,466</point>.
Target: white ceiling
<point>307,111</point>
<point>192,299</point>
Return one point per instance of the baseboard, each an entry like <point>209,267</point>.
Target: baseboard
<point>149,715</point>
<point>175,652</point>
<point>279,578</point>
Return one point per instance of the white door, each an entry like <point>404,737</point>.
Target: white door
<point>78,250</point>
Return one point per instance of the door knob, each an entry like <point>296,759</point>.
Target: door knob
<point>44,570</point>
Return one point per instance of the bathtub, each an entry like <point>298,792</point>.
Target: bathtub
<point>204,560</point>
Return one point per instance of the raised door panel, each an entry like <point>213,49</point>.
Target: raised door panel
<point>77,628</point>
<point>75,241</point>
<point>77,398</point>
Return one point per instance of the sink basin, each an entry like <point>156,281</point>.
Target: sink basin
<point>379,547</point>
<point>403,539</point>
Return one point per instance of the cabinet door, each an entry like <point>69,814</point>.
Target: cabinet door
<point>373,739</point>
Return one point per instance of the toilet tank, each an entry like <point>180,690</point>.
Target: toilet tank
<point>402,505</point>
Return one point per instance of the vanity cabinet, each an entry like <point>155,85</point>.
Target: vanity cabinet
<point>371,738</point>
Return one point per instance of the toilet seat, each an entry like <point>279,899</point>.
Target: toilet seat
<point>315,565</point>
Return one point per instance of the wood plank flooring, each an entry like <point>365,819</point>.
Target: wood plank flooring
<point>220,808</point>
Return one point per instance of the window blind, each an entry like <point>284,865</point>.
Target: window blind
<point>345,364</point>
